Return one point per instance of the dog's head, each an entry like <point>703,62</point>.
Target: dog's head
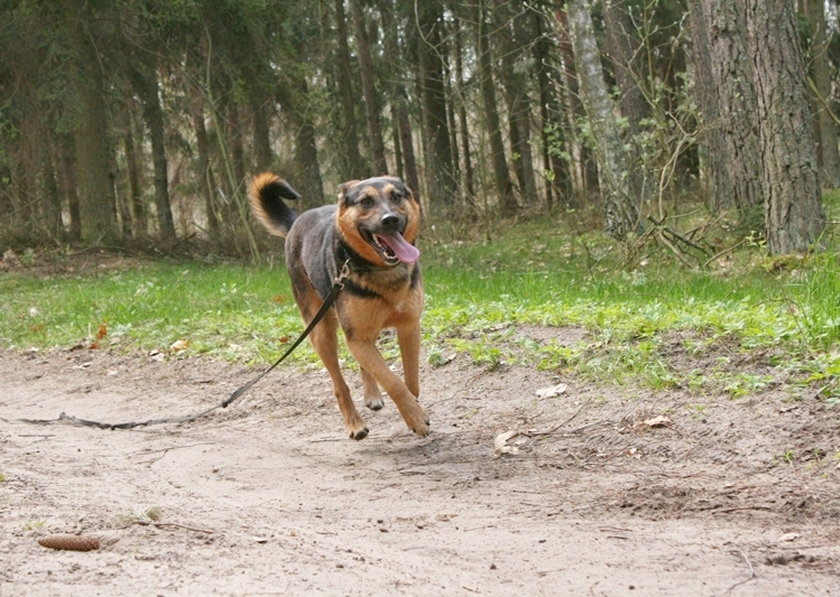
<point>379,218</point>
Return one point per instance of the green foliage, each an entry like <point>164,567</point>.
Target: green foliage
<point>737,329</point>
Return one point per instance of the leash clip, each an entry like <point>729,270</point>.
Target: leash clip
<point>343,275</point>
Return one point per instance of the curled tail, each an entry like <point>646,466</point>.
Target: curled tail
<point>265,194</point>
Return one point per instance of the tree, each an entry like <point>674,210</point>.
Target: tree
<point>794,219</point>
<point>97,202</point>
<point>441,183</point>
<point>503,183</point>
<point>352,163</point>
<point>823,72</point>
<point>371,97</point>
<point>621,210</point>
<point>725,83</point>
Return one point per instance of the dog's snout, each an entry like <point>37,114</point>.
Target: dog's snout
<point>390,222</point>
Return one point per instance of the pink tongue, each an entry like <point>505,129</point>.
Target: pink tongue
<point>404,251</point>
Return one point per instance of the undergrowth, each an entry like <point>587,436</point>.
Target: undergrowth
<point>739,324</point>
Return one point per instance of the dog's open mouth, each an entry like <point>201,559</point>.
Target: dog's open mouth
<point>393,248</point>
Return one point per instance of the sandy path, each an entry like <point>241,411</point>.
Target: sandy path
<point>268,497</point>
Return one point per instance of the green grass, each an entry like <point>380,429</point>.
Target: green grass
<point>477,295</point>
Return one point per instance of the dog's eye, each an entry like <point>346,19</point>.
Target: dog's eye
<point>397,197</point>
<point>366,202</point>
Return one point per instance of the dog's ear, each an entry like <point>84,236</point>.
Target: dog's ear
<point>344,187</point>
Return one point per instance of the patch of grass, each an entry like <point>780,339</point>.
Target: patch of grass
<point>232,312</point>
<point>478,294</point>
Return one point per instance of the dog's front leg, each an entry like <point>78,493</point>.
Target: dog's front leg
<point>323,339</point>
<point>370,360</point>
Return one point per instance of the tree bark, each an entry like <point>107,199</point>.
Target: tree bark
<point>621,210</point>
<point>352,166</point>
<point>371,98</point>
<point>623,48</point>
<point>144,79</point>
<point>504,185</point>
<point>714,164</point>
<point>204,169</point>
<point>135,196</point>
<point>733,78</point>
<point>829,154</point>
<point>441,183</point>
<point>558,183</point>
<point>399,101</point>
<point>519,104</point>
<point>308,170</point>
<point>794,219</point>
<point>97,201</point>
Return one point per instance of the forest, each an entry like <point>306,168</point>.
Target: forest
<point>142,120</point>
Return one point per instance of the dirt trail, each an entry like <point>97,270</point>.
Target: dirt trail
<point>269,498</point>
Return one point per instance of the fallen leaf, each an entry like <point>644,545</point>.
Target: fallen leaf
<point>501,443</point>
<point>552,391</point>
<point>179,345</point>
<point>789,537</point>
<point>102,331</point>
<point>657,421</point>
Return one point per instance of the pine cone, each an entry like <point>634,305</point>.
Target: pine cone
<point>71,542</point>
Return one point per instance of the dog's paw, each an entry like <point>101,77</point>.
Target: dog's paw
<point>375,402</point>
<point>359,433</point>
<point>420,425</point>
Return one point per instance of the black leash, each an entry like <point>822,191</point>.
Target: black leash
<point>338,286</point>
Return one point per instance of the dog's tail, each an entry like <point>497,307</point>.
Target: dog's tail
<point>265,194</point>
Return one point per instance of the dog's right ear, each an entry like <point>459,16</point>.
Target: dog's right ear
<point>343,188</point>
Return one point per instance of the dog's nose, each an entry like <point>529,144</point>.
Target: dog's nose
<point>390,222</point>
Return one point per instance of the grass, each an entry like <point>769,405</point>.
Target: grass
<point>652,322</point>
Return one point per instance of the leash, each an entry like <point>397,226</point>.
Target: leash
<point>337,287</point>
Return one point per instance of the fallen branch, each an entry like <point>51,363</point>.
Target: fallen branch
<point>152,523</point>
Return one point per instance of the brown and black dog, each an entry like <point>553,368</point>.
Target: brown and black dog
<point>372,229</point>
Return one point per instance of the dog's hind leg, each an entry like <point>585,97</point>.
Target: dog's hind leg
<point>373,395</point>
<point>408,338</point>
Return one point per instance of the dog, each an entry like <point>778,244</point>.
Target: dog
<point>369,234</point>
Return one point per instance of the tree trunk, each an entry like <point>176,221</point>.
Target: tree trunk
<point>308,170</point>
<point>142,69</point>
<point>467,176</point>
<point>441,184</point>
<point>504,185</point>
<point>621,210</point>
<point>51,201</point>
<point>794,218</point>
<point>558,183</point>
<point>206,178</point>
<point>714,164</point>
<point>263,156</point>
<point>97,202</point>
<point>519,104</point>
<point>135,196</point>
<point>371,98</point>
<point>69,186</point>
<point>829,155</point>
<point>579,155</point>
<point>399,102</point>
<point>624,50</point>
<point>352,166</point>
<point>732,77</point>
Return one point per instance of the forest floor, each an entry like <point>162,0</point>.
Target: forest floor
<point>582,490</point>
